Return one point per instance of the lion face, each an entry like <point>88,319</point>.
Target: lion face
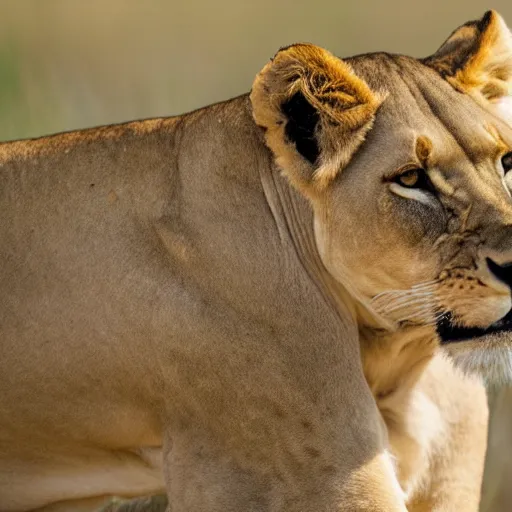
<point>424,230</point>
<point>408,168</point>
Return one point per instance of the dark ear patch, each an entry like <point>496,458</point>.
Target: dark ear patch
<point>302,120</point>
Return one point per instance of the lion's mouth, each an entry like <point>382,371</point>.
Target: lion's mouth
<point>450,333</point>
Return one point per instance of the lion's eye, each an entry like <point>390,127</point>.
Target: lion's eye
<point>413,178</point>
<point>506,162</point>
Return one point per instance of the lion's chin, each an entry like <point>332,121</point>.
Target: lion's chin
<point>486,352</point>
<point>488,357</point>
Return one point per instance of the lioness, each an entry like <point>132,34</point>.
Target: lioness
<point>199,287</point>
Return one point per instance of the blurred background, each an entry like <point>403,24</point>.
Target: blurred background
<point>68,64</point>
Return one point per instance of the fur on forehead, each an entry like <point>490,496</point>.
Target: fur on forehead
<point>477,58</point>
<point>315,112</point>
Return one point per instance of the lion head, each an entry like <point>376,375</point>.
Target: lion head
<point>407,164</point>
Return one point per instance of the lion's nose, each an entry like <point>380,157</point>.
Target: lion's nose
<point>502,272</point>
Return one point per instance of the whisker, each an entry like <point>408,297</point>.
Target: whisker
<point>387,293</point>
<point>416,290</point>
<point>419,304</point>
<point>410,300</point>
<point>410,306</point>
<point>427,314</point>
<point>409,293</point>
<point>404,302</point>
<point>423,312</point>
<point>433,283</point>
<point>436,317</point>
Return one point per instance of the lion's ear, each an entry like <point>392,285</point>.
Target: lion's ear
<point>315,113</point>
<point>477,58</point>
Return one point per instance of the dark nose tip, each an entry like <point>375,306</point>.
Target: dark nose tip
<point>502,272</point>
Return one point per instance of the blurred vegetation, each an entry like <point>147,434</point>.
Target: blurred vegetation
<point>68,64</point>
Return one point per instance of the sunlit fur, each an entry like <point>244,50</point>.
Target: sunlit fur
<point>434,414</point>
<point>258,301</point>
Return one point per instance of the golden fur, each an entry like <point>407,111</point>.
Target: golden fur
<point>240,304</point>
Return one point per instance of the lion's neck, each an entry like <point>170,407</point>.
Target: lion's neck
<point>295,221</point>
<point>393,362</point>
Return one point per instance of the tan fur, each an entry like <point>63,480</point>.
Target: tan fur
<point>436,420</point>
<point>242,324</point>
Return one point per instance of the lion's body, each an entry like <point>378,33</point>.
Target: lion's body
<point>125,289</point>
<point>126,386</point>
<point>185,302</point>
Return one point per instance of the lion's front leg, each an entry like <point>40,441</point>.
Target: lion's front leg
<point>202,476</point>
<point>365,493</point>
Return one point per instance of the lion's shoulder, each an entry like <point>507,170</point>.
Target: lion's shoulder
<point>219,115</point>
